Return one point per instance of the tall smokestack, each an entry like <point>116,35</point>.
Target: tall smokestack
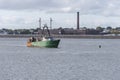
<point>77,20</point>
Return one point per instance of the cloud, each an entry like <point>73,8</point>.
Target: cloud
<point>98,7</point>
<point>27,4</point>
<point>27,11</point>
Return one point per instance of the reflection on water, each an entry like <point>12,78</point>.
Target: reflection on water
<point>75,59</point>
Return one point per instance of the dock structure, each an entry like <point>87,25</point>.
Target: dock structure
<point>62,36</point>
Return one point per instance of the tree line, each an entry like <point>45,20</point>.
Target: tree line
<point>60,30</point>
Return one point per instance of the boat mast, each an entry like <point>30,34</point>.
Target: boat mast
<point>51,23</point>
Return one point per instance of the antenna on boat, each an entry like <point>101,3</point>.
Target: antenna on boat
<point>40,23</point>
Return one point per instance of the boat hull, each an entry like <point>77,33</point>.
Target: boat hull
<point>48,44</point>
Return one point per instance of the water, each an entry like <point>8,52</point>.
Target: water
<point>75,59</point>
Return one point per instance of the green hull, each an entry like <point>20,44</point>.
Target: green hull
<point>49,44</point>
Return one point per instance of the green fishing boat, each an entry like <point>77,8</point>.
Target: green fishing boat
<point>48,44</point>
<point>45,41</point>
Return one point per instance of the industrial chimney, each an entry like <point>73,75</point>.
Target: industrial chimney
<point>78,20</point>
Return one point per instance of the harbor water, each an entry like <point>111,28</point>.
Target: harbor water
<point>74,59</point>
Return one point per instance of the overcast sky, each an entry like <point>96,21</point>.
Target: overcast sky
<point>16,14</point>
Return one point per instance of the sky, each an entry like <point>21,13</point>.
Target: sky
<point>17,14</point>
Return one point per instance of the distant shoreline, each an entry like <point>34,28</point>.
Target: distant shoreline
<point>64,36</point>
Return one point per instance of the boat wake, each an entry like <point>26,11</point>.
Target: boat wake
<point>12,45</point>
